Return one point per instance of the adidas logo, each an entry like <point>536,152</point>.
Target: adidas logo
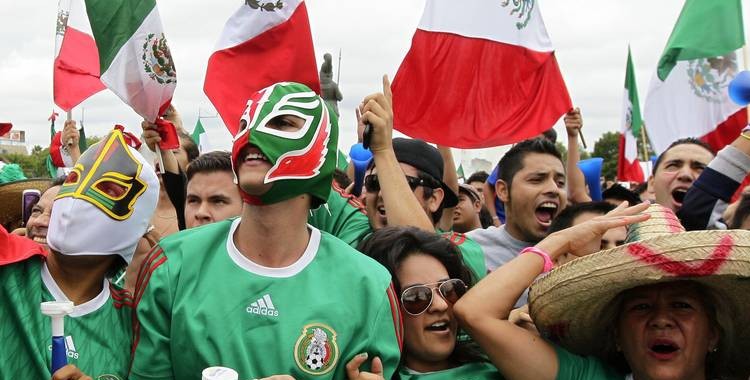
<point>263,306</point>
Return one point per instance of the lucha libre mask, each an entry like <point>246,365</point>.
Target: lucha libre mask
<point>302,161</point>
<point>106,203</point>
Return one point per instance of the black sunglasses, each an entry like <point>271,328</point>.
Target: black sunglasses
<point>372,184</point>
<point>418,298</point>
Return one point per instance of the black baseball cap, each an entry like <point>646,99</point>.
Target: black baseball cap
<point>426,158</point>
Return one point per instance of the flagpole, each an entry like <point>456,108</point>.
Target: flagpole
<point>69,143</point>
<point>643,142</point>
<point>338,70</point>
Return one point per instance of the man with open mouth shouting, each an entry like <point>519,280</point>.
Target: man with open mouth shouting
<point>532,187</point>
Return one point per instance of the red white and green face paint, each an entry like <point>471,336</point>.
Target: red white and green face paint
<point>303,161</point>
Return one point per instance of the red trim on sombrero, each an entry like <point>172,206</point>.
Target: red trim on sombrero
<point>708,266</point>
<point>673,223</point>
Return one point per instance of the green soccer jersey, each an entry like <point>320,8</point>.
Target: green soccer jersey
<point>97,333</point>
<point>471,371</point>
<point>201,303</point>
<point>344,217</point>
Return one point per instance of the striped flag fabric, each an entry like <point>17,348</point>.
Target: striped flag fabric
<point>76,66</point>
<point>628,166</point>
<point>688,95</point>
<point>262,43</point>
<point>134,59</point>
<point>479,73</point>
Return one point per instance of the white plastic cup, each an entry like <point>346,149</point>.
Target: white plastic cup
<point>220,373</point>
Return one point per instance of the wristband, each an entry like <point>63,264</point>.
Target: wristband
<point>544,255</point>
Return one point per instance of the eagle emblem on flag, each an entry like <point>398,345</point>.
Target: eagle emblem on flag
<point>157,59</point>
<point>709,77</point>
<point>523,8</point>
<point>268,6</point>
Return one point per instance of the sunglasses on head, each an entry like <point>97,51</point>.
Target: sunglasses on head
<point>418,298</point>
<point>373,185</point>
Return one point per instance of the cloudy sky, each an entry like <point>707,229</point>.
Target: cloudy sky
<point>590,37</point>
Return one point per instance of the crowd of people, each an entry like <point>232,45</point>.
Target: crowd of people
<point>262,260</point>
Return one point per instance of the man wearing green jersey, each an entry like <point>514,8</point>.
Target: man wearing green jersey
<point>266,293</point>
<point>100,212</point>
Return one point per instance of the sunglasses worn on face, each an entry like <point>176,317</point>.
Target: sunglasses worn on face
<point>418,298</point>
<point>372,184</point>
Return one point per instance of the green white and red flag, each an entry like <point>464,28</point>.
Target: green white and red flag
<point>76,67</point>
<point>263,42</point>
<point>479,73</point>
<point>134,59</point>
<point>688,94</point>
<point>628,166</point>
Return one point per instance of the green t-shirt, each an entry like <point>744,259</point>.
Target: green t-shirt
<point>344,217</point>
<point>471,371</point>
<point>575,367</point>
<point>97,333</point>
<point>201,303</point>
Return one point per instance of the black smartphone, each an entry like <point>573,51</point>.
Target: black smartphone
<point>29,199</point>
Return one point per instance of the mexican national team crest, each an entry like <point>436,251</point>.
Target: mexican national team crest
<point>710,77</point>
<point>523,8</point>
<point>157,59</point>
<point>316,351</point>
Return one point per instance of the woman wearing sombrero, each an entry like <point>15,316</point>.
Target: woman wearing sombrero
<point>668,304</point>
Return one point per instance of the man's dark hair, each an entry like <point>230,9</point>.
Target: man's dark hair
<point>427,193</point>
<point>341,178</point>
<point>218,161</point>
<point>740,213</point>
<point>512,161</point>
<point>619,193</point>
<point>550,135</point>
<point>390,246</point>
<point>485,219</point>
<point>641,188</point>
<point>479,176</point>
<point>683,141</point>
<point>565,218</point>
<point>189,145</point>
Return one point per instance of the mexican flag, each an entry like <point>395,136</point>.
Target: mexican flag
<point>134,59</point>
<point>200,137</point>
<point>76,67</point>
<point>479,73</point>
<point>262,43</point>
<point>628,167</point>
<point>688,94</point>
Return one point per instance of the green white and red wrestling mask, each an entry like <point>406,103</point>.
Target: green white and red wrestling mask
<point>302,160</point>
<point>105,205</point>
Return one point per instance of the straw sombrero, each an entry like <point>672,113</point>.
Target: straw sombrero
<point>568,303</point>
<point>10,197</point>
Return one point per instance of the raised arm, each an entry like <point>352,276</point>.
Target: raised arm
<point>712,191</point>
<point>577,192</point>
<point>484,310</point>
<point>451,179</point>
<point>402,206</point>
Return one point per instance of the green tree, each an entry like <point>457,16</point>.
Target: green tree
<point>607,147</point>
<point>563,149</point>
<point>34,164</point>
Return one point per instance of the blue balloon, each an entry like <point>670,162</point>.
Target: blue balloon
<point>739,88</point>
